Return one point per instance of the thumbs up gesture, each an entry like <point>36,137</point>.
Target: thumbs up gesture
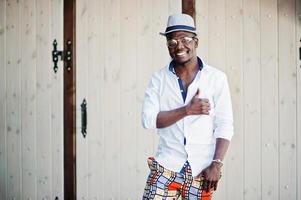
<point>198,106</point>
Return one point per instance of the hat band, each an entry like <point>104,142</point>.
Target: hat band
<point>179,27</point>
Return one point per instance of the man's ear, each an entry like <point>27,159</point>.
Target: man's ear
<point>196,42</point>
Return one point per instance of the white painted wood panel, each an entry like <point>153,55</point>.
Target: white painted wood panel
<point>287,99</point>
<point>128,109</point>
<point>112,99</point>
<point>269,99</point>
<point>234,70</point>
<point>95,105</point>
<point>13,106</point>
<point>202,26</point>
<point>298,45</point>
<point>28,78</point>
<point>81,93</point>
<point>252,100</point>
<point>3,133</point>
<point>216,33</point>
<point>31,162</point>
<point>174,6</point>
<point>43,106</point>
<point>56,102</point>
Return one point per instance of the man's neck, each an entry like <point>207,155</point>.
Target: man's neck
<point>189,68</point>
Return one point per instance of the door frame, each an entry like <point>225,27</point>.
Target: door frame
<point>188,7</point>
<point>70,103</point>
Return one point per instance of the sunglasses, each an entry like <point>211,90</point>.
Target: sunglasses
<point>172,43</point>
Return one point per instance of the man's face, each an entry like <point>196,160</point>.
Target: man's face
<point>182,46</point>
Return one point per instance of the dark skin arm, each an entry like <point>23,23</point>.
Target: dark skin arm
<point>212,173</point>
<point>196,106</point>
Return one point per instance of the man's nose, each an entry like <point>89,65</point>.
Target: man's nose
<point>180,45</point>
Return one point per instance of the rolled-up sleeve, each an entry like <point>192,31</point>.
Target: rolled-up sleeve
<point>151,106</point>
<point>223,119</point>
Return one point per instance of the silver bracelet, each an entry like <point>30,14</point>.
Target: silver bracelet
<point>218,161</point>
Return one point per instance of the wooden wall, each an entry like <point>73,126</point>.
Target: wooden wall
<point>255,42</point>
<point>118,48</point>
<point>31,123</point>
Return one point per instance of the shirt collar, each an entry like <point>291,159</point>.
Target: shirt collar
<point>172,63</point>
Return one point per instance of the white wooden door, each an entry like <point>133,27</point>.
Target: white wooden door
<point>118,48</point>
<point>31,100</point>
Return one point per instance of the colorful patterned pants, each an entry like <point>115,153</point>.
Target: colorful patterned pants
<point>168,185</point>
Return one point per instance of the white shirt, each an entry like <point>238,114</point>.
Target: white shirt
<point>199,132</point>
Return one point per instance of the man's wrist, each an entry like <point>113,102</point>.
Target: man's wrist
<point>186,112</point>
<point>218,162</point>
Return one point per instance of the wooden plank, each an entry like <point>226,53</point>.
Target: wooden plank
<point>81,87</point>
<point>174,6</point>
<point>70,103</point>
<point>57,121</point>
<point>216,38</point>
<point>128,85</point>
<point>252,100</point>
<point>202,26</point>
<point>233,189</point>
<point>112,99</point>
<point>144,39</point>
<point>159,50</point>
<point>43,106</point>
<point>269,99</point>
<point>96,107</point>
<point>298,62</point>
<point>13,92</point>
<point>3,133</point>
<point>287,99</point>
<point>28,99</point>
<point>188,7</point>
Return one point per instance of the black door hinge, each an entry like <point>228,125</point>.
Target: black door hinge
<point>67,55</point>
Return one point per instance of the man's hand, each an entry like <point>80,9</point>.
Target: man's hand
<point>198,106</point>
<point>211,176</point>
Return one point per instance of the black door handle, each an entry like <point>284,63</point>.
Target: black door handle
<point>84,117</point>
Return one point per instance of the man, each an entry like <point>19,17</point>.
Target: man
<point>189,104</point>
